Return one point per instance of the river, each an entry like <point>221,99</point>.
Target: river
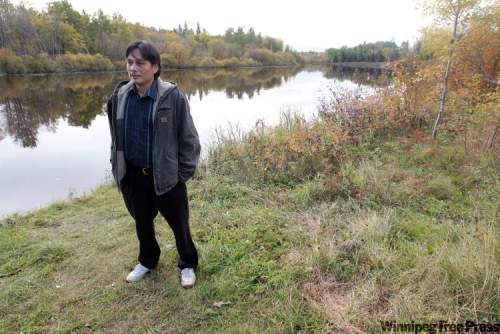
<point>54,133</point>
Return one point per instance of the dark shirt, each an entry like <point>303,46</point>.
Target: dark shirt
<point>138,120</point>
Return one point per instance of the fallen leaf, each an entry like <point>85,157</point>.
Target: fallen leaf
<point>220,304</point>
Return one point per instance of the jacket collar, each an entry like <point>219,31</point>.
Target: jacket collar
<point>163,88</point>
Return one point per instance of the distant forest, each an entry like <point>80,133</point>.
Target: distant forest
<point>59,38</point>
<point>367,52</point>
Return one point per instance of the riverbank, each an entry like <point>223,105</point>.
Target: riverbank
<point>12,64</point>
<point>405,230</point>
<point>164,70</point>
<point>364,65</point>
<point>234,67</point>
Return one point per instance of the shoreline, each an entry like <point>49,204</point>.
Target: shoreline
<point>361,65</point>
<point>7,75</point>
<point>69,198</point>
<point>367,65</point>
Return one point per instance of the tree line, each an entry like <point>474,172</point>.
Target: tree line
<point>34,41</point>
<point>367,52</point>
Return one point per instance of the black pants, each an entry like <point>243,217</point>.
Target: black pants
<point>143,204</point>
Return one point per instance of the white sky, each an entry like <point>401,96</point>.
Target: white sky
<point>305,25</point>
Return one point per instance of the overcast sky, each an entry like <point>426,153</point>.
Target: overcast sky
<point>305,25</point>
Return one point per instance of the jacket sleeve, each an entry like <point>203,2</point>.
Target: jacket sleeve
<point>110,120</point>
<point>189,143</point>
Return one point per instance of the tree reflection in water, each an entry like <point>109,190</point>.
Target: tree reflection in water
<point>373,77</point>
<point>27,103</point>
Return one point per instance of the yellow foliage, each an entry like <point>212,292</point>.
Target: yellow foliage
<point>435,43</point>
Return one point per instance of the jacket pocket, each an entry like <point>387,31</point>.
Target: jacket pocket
<point>164,116</point>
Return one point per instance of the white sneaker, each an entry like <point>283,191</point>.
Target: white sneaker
<point>138,273</point>
<point>188,277</point>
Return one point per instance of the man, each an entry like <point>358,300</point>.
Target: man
<point>154,151</point>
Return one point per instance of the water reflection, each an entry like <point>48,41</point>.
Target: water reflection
<point>28,103</point>
<point>373,77</point>
<point>235,83</point>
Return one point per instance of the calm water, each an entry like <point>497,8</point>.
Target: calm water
<point>54,134</point>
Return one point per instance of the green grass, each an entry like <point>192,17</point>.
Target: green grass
<point>74,256</point>
<point>401,232</point>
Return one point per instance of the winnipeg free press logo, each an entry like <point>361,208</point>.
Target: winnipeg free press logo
<point>439,327</point>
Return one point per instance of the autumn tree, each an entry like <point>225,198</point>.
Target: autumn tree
<point>217,49</point>
<point>179,51</point>
<point>34,39</point>
<point>455,13</point>
<point>476,73</point>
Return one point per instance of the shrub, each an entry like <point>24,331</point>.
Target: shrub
<point>288,153</point>
<point>208,62</point>
<point>45,64</point>
<point>10,63</point>
<point>244,61</point>
<point>31,64</point>
<point>263,56</point>
<point>82,63</point>
<point>101,63</point>
<point>231,62</point>
<point>168,60</point>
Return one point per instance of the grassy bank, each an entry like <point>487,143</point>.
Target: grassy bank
<point>12,64</point>
<point>403,230</point>
<point>73,257</point>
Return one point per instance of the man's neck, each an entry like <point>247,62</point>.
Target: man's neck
<point>142,89</point>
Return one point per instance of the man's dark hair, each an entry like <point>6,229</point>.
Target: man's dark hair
<point>148,52</point>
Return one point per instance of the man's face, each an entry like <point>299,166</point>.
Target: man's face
<point>140,70</point>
